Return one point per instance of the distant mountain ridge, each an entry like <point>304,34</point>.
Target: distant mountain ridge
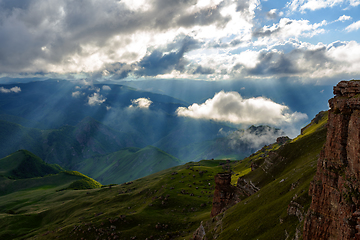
<point>127,164</point>
<point>24,164</point>
<point>43,107</point>
<point>66,145</point>
<point>23,170</point>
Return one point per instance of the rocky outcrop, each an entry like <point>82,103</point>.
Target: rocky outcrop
<point>200,233</point>
<point>246,188</point>
<point>225,194</point>
<point>335,208</point>
<point>282,140</point>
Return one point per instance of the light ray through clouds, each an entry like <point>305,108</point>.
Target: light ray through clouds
<point>314,42</point>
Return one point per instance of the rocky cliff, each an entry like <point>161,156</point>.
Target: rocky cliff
<point>335,206</point>
<point>225,194</point>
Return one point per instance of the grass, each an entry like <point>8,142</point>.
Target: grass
<point>314,125</point>
<point>24,164</point>
<point>283,174</point>
<point>171,203</point>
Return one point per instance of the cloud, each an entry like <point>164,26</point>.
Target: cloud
<point>11,90</point>
<point>231,107</point>
<point>353,27</point>
<point>77,94</point>
<point>273,14</point>
<point>96,99</point>
<point>256,137</point>
<point>302,5</point>
<point>304,61</point>
<point>71,36</point>
<point>106,88</point>
<point>344,18</point>
<point>159,62</point>
<point>203,70</point>
<point>287,28</point>
<point>170,39</point>
<point>143,103</point>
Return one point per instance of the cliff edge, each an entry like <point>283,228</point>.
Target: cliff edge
<point>334,212</point>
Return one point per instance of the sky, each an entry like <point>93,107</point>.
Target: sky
<point>305,41</point>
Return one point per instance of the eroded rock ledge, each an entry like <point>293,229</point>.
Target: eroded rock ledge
<point>335,207</point>
<point>225,194</point>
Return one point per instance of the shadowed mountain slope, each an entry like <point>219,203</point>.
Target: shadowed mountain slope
<point>127,164</point>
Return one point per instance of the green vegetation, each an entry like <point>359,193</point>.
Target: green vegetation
<point>317,123</point>
<point>24,164</point>
<point>84,183</point>
<point>169,204</point>
<point>283,175</point>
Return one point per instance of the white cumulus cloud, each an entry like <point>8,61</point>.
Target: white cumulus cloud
<point>76,94</point>
<point>106,88</point>
<point>13,89</point>
<point>344,18</point>
<point>353,27</point>
<point>140,103</point>
<point>231,107</point>
<point>96,99</point>
<point>313,5</point>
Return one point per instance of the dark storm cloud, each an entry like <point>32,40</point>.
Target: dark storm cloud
<point>203,70</point>
<point>273,63</point>
<point>278,63</point>
<point>35,33</point>
<point>159,62</point>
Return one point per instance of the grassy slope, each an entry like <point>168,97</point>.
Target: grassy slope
<point>127,164</point>
<point>150,206</point>
<point>24,164</point>
<point>23,170</point>
<point>156,206</point>
<point>264,214</point>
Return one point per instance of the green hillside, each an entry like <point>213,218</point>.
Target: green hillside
<point>283,174</point>
<point>24,164</point>
<point>172,203</point>
<point>23,170</point>
<point>165,205</point>
<point>127,164</point>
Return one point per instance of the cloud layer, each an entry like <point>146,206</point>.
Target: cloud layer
<point>192,39</point>
<point>231,107</point>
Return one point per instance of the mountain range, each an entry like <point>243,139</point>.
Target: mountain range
<point>70,123</point>
<point>174,203</point>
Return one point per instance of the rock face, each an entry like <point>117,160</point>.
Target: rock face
<point>246,188</point>
<point>225,195</point>
<point>200,233</point>
<point>335,207</point>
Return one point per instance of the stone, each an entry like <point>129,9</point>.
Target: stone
<point>200,233</point>
<point>225,194</point>
<point>335,206</point>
